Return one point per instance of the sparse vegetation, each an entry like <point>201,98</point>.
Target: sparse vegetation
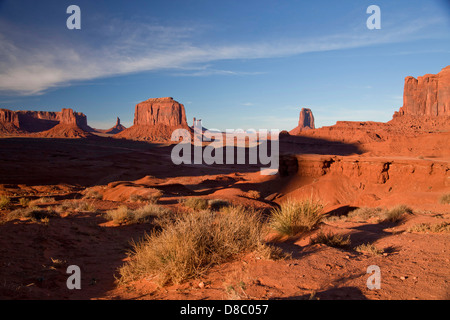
<point>396,214</point>
<point>75,206</point>
<point>331,239</point>
<point>445,199</point>
<point>93,194</point>
<point>253,194</point>
<point>124,215</point>
<point>195,203</point>
<point>369,248</point>
<point>120,215</point>
<point>217,204</point>
<point>193,243</point>
<point>295,216</point>
<point>364,213</point>
<point>33,213</point>
<point>151,197</point>
<point>24,202</point>
<point>442,227</point>
<point>43,200</point>
<point>4,202</point>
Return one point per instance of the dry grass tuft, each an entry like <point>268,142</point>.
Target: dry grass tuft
<point>4,202</point>
<point>369,248</point>
<point>189,246</point>
<point>394,214</point>
<point>24,202</point>
<point>32,213</point>
<point>331,239</point>
<point>253,194</point>
<point>445,199</point>
<point>123,215</point>
<point>195,203</point>
<point>295,216</point>
<point>443,227</point>
<point>151,197</point>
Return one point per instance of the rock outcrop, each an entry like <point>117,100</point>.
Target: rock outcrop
<point>37,122</point>
<point>117,128</point>
<point>155,119</point>
<point>428,95</point>
<point>164,111</point>
<point>305,122</point>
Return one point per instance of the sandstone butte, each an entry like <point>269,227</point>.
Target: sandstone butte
<point>426,108</point>
<point>65,123</point>
<point>305,122</point>
<point>428,95</point>
<point>155,119</point>
<point>117,128</point>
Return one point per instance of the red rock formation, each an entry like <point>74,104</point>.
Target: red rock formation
<point>305,122</point>
<point>155,120</point>
<point>164,111</point>
<point>26,122</point>
<point>117,128</point>
<point>428,95</point>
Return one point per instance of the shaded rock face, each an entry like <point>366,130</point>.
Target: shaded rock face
<point>38,121</point>
<point>155,119</point>
<point>428,95</point>
<point>305,122</point>
<point>8,116</point>
<point>164,111</point>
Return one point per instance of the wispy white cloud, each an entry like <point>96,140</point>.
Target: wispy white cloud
<point>32,67</point>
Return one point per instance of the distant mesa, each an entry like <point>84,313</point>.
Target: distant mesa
<point>305,122</point>
<point>428,95</point>
<point>64,124</point>
<point>155,119</point>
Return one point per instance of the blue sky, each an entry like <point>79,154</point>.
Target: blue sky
<point>235,64</point>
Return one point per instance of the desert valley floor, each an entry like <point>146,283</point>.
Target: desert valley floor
<point>411,169</point>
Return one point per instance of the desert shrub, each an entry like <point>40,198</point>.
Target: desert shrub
<point>193,243</point>
<point>253,194</point>
<point>93,194</point>
<point>151,197</point>
<point>4,202</point>
<point>296,216</point>
<point>442,227</point>
<point>24,202</point>
<point>43,200</point>
<point>364,213</point>
<point>120,215</point>
<point>75,206</point>
<point>195,203</point>
<point>124,215</point>
<point>85,206</point>
<point>445,199</point>
<point>395,214</point>
<point>217,204</point>
<point>369,248</point>
<point>331,239</point>
<point>149,212</point>
<point>33,213</point>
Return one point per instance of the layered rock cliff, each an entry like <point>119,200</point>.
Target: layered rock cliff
<point>305,122</point>
<point>155,119</point>
<point>428,95</point>
<point>35,122</point>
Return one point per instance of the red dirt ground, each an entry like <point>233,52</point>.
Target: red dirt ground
<point>411,168</point>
